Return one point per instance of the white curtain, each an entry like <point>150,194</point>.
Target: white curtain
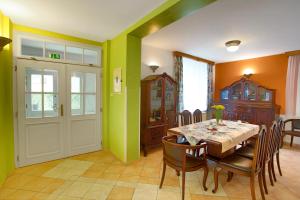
<point>195,83</point>
<point>293,87</point>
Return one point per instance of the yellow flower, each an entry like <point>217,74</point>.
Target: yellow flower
<point>218,107</point>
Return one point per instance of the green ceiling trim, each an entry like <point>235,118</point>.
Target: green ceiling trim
<point>177,9</point>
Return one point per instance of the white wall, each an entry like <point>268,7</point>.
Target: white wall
<point>155,56</point>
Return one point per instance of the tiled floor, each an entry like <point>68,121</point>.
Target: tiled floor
<point>99,175</point>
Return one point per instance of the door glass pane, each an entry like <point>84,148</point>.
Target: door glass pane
<point>74,54</point>
<point>90,83</point>
<point>90,104</point>
<point>33,105</point>
<point>36,82</point>
<point>50,105</point>
<point>90,57</point>
<point>76,104</point>
<point>76,82</point>
<point>32,47</point>
<point>50,81</point>
<point>55,51</point>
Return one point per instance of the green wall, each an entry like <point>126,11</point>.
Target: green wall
<point>6,102</point>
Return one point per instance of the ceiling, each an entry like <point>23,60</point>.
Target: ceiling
<point>97,20</point>
<point>265,27</point>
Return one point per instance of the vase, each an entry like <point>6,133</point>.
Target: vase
<point>218,115</point>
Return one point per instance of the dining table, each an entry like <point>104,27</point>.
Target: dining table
<point>221,138</point>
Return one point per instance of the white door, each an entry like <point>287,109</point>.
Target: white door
<point>41,126</point>
<point>58,110</point>
<point>83,109</point>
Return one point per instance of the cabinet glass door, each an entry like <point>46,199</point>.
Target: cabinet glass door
<point>236,92</point>
<point>156,101</point>
<point>249,92</point>
<point>169,96</point>
<point>264,94</point>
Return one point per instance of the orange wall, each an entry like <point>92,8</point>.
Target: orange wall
<point>269,71</point>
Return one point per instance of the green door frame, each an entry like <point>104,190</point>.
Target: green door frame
<point>121,111</point>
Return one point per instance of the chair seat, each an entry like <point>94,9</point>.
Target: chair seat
<point>293,133</point>
<point>247,151</point>
<point>237,162</point>
<point>192,162</point>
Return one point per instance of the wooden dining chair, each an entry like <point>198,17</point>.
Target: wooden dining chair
<point>197,116</point>
<point>185,117</point>
<point>248,152</point>
<point>294,131</point>
<point>244,166</point>
<point>175,156</point>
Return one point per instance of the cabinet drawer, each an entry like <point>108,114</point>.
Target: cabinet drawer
<point>156,135</point>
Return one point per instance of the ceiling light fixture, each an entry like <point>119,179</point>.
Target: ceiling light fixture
<point>232,45</point>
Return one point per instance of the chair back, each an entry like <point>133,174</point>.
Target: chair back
<point>260,150</point>
<point>230,116</point>
<point>171,119</point>
<point>197,116</point>
<point>185,117</point>
<point>175,154</point>
<point>279,134</point>
<point>272,139</point>
<point>295,124</point>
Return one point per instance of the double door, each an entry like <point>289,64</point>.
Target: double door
<point>58,110</point>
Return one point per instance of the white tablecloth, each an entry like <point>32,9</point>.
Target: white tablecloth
<point>229,134</point>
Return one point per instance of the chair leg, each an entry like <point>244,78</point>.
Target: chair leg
<point>205,177</point>
<point>261,186</point>
<point>252,187</point>
<point>177,172</point>
<point>229,176</point>
<point>270,173</point>
<point>278,163</point>
<point>264,179</point>
<point>163,175</point>
<point>273,170</point>
<point>183,184</point>
<point>292,139</point>
<point>281,142</point>
<point>216,179</point>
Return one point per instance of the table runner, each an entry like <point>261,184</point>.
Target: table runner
<point>229,134</point>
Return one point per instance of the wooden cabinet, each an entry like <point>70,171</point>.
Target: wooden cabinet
<point>248,101</point>
<point>158,104</point>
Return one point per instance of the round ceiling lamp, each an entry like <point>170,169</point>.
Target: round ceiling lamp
<point>232,45</point>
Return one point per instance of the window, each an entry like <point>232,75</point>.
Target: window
<point>195,77</point>
<point>83,93</point>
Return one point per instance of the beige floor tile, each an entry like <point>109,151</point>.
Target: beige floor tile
<point>5,193</point>
<point>121,193</point>
<point>22,195</point>
<point>148,180</point>
<point>150,172</point>
<point>78,189</point>
<point>145,192</point>
<point>17,181</point>
<point>40,196</point>
<point>98,192</point>
<point>38,184</point>
<point>53,186</point>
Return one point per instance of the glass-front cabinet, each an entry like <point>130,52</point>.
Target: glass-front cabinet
<point>247,90</point>
<point>158,107</point>
<point>248,101</point>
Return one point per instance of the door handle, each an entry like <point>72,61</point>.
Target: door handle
<point>61,110</point>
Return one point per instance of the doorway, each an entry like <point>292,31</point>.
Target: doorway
<point>58,110</point>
